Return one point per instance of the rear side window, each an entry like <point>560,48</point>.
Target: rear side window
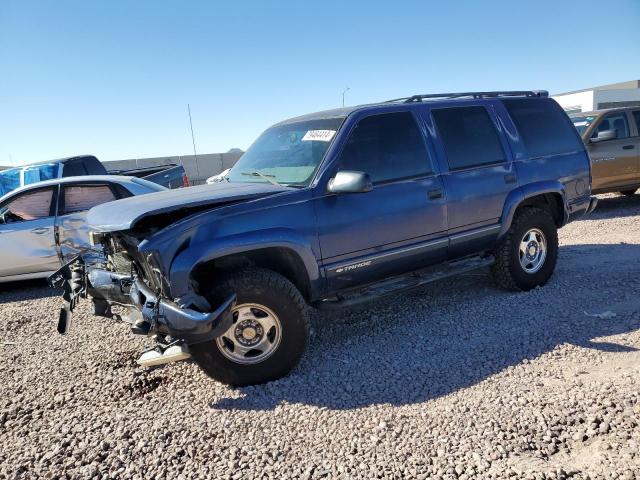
<point>73,169</point>
<point>387,147</point>
<point>28,206</point>
<point>469,137</point>
<point>79,198</point>
<point>93,166</point>
<point>543,126</point>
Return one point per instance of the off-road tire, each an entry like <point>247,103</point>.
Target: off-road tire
<point>507,271</point>
<point>629,193</point>
<point>268,288</point>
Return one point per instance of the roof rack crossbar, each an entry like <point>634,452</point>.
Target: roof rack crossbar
<point>475,95</point>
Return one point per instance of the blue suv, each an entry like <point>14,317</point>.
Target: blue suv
<point>331,209</point>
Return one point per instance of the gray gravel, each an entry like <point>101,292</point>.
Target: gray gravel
<point>456,380</point>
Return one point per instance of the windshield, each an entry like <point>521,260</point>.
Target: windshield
<point>287,154</point>
<point>582,123</point>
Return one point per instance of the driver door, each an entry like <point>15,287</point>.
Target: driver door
<point>614,162</point>
<point>27,240</point>
<point>398,226</point>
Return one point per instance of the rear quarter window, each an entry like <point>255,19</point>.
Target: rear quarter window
<point>544,128</point>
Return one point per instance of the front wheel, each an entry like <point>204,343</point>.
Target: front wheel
<point>527,256</point>
<point>269,331</point>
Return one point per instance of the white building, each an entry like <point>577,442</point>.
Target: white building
<point>623,94</point>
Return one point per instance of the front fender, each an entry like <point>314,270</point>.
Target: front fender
<point>520,194</point>
<point>203,252</point>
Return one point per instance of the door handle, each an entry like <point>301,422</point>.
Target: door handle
<point>40,230</point>
<point>510,178</point>
<point>434,194</point>
<point>628,147</point>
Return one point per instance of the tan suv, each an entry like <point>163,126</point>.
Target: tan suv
<point>613,142</point>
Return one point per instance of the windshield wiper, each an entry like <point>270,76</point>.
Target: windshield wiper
<point>268,178</point>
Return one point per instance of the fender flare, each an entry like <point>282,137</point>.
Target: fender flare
<point>520,194</point>
<point>200,253</point>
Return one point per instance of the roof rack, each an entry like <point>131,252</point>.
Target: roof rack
<point>475,95</point>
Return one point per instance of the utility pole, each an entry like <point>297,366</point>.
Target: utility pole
<point>193,140</point>
<point>344,91</point>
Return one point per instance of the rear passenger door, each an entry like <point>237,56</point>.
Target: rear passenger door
<point>76,199</point>
<point>479,174</point>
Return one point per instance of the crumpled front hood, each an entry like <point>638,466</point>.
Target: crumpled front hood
<point>124,214</point>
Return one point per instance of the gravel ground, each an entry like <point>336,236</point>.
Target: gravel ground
<point>455,380</point>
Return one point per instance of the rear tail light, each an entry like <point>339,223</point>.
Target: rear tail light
<point>185,180</point>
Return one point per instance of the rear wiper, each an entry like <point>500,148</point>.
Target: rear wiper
<point>268,178</point>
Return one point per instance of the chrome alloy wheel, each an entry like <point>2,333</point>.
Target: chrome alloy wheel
<point>253,336</point>
<point>533,250</point>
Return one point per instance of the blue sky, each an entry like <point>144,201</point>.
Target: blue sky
<point>113,78</point>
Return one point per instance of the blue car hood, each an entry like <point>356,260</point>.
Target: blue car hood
<point>124,214</point>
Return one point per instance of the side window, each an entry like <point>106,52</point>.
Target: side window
<point>79,198</point>
<point>636,117</point>
<point>469,137</point>
<point>614,121</point>
<point>28,206</point>
<point>93,166</point>
<point>74,168</point>
<point>544,128</point>
<point>387,147</point>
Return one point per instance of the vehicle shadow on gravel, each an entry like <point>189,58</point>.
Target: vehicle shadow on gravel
<point>615,206</point>
<point>433,341</point>
<point>26,290</point>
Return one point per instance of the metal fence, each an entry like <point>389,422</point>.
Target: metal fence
<point>198,168</point>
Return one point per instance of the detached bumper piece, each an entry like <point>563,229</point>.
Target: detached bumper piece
<point>183,323</point>
<point>593,203</point>
<point>161,356</point>
<point>73,279</point>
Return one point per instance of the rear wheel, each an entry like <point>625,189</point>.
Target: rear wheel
<point>527,255</point>
<point>269,331</point>
<point>629,192</point>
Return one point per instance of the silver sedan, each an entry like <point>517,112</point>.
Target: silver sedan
<point>43,225</point>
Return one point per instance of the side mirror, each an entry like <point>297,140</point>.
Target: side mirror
<point>605,135</point>
<point>350,182</point>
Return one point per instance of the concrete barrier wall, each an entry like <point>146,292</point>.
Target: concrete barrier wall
<point>198,168</point>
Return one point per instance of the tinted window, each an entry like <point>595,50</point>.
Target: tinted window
<point>469,136</point>
<point>636,116</point>
<point>93,166</point>
<point>544,128</point>
<point>73,169</point>
<point>28,206</point>
<point>614,121</point>
<point>387,147</point>
<point>79,198</point>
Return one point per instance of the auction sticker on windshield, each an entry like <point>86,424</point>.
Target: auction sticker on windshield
<point>318,135</point>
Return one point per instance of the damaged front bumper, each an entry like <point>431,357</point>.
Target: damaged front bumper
<point>184,323</point>
<point>158,315</point>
